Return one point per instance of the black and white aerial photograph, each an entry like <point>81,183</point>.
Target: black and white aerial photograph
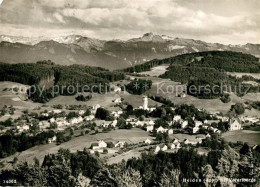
<point>130,93</point>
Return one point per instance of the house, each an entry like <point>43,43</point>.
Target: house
<point>139,123</point>
<point>234,125</point>
<point>175,145</point>
<point>199,139</point>
<point>81,112</point>
<point>152,109</point>
<point>161,130</point>
<point>209,122</point>
<point>76,120</point>
<point>61,122</point>
<point>249,119</point>
<point>172,146</point>
<point>198,123</point>
<point>186,141</point>
<point>45,114</point>
<point>53,139</point>
<point>176,118</point>
<point>132,119</point>
<point>116,114</point>
<point>89,118</point>
<point>148,141</point>
<point>195,129</point>
<point>208,135</point>
<point>100,144</point>
<point>164,148</point>
<point>114,123</point>
<point>52,120</point>
<point>175,140</point>
<point>151,122</point>
<point>184,124</point>
<point>23,128</point>
<point>117,100</point>
<point>120,144</point>
<point>56,111</point>
<point>96,107</point>
<point>222,118</point>
<point>117,89</point>
<point>170,131</point>
<point>157,149</point>
<point>44,124</point>
<point>106,123</point>
<point>215,130</point>
<point>149,128</point>
<point>182,95</point>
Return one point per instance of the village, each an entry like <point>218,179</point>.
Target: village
<point>162,135</point>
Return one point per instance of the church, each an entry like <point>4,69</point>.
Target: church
<point>234,125</point>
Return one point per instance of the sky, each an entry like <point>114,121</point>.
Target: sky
<point>222,21</point>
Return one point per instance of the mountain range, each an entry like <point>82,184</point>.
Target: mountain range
<point>113,54</point>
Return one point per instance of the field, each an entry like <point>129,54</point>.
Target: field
<point>156,71</point>
<point>251,137</point>
<point>8,97</point>
<point>170,90</point>
<point>78,143</point>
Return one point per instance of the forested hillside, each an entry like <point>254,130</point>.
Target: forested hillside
<point>208,69</point>
<point>221,60</point>
<point>46,74</point>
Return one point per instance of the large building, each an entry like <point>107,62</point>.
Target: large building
<point>234,125</point>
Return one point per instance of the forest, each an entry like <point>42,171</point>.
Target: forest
<point>11,143</point>
<point>208,69</point>
<point>66,79</point>
<point>221,60</point>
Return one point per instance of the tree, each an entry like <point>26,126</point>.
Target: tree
<point>15,160</point>
<point>245,149</point>
<point>104,178</point>
<point>102,113</point>
<point>170,179</point>
<point>238,108</point>
<point>129,177</point>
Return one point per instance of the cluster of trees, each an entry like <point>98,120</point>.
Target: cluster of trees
<point>103,114</point>
<point>11,143</point>
<point>138,86</point>
<point>162,100</point>
<point>121,123</point>
<point>83,98</point>
<point>61,169</point>
<point>225,98</point>
<point>189,111</point>
<point>214,143</point>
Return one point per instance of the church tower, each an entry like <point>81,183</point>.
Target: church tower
<point>145,107</point>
